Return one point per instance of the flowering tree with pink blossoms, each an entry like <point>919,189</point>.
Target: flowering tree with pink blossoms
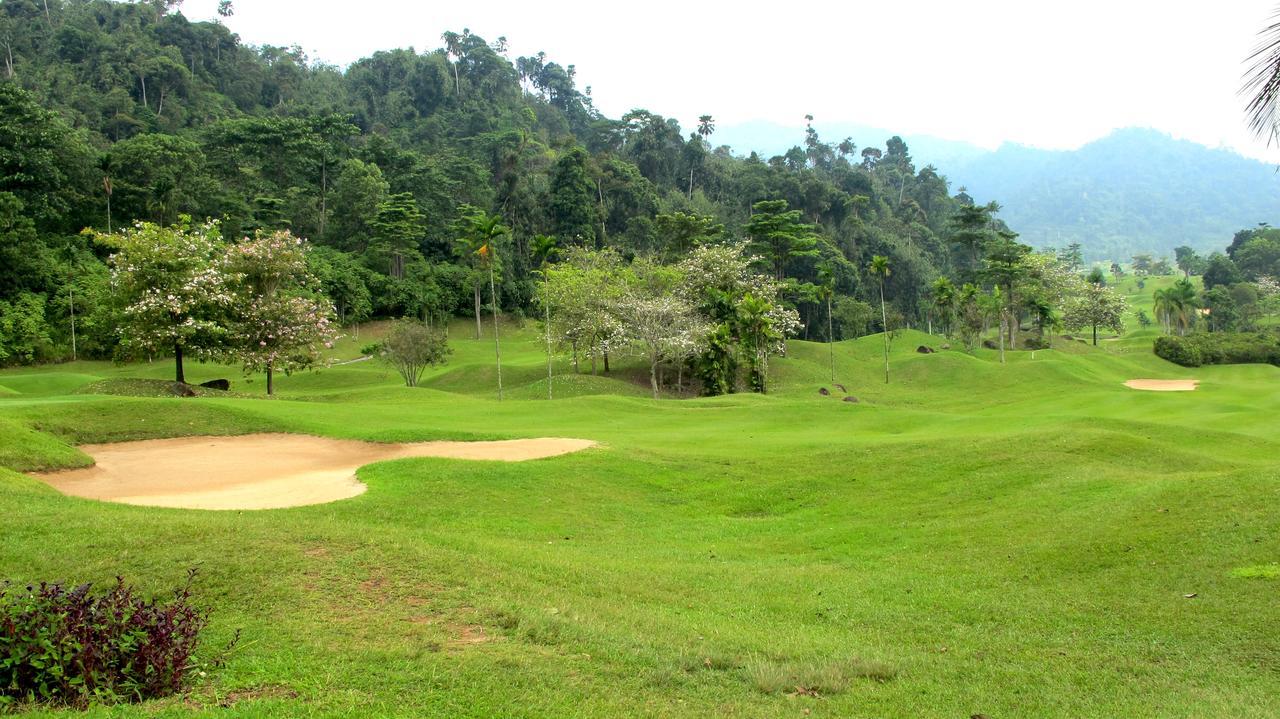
<point>281,323</point>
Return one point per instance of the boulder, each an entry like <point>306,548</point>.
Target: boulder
<point>990,344</point>
<point>946,346</point>
<point>182,389</point>
<point>219,384</point>
<point>824,391</point>
<point>850,398</point>
<point>842,389</point>
<point>924,350</point>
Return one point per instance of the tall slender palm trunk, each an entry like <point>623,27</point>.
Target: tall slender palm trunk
<point>831,341</point>
<point>547,329</point>
<point>476,287</point>
<point>497,348</point>
<point>884,326</point>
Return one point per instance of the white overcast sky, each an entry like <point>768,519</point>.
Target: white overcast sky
<point>1053,75</point>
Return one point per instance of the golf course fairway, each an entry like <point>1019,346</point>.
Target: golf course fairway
<point>1027,539</point>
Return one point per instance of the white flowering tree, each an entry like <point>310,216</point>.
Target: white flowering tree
<point>281,323</point>
<point>659,322</point>
<point>1095,306</point>
<point>174,291</point>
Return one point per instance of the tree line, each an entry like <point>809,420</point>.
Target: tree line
<point>457,180</point>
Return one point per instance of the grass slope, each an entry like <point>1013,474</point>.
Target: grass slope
<point>1011,540</point>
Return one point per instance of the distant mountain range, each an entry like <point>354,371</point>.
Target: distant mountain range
<point>1135,190</point>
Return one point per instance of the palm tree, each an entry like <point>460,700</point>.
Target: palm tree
<point>1164,307</point>
<point>544,249</point>
<point>880,270</point>
<point>482,230</point>
<point>757,332</point>
<point>826,289</point>
<point>453,46</point>
<point>1182,298</point>
<point>706,126</point>
<point>944,302</point>
<point>1262,83</point>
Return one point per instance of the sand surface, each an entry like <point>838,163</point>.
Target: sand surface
<point>261,471</point>
<point>1163,385</point>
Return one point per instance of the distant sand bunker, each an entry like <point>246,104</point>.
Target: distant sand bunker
<point>261,471</point>
<point>1163,385</point>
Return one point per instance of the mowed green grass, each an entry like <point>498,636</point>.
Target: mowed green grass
<point>1014,540</point>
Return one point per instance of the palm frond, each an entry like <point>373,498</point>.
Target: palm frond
<point>1262,83</point>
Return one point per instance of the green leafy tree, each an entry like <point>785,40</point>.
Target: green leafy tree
<point>1221,270</point>
<point>397,231</point>
<point>1005,268</point>
<point>679,232</point>
<point>357,194</point>
<point>777,236</point>
<point>1096,306</point>
<point>1224,312</point>
<point>411,348</point>
<point>572,206</point>
<point>1187,259</point>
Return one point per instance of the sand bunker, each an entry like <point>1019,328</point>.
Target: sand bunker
<point>1163,385</point>
<point>261,471</point>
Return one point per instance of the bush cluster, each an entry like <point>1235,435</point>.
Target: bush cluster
<point>75,647</point>
<point>1202,348</point>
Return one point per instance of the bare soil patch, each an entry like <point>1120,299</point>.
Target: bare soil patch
<point>261,471</point>
<point>1163,385</point>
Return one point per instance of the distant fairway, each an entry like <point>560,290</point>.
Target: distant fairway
<point>1026,540</point>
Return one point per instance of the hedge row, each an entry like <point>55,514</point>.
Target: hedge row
<point>1202,348</point>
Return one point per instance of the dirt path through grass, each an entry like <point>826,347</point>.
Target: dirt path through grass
<point>262,471</point>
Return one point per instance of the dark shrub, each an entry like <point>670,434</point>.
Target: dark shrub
<point>1178,351</point>
<point>1202,348</point>
<point>71,646</point>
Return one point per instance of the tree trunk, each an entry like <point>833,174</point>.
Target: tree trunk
<point>548,332</point>
<point>108,213</point>
<point>271,380</point>
<point>143,79</point>
<point>71,290</point>
<point>476,287</point>
<point>178,377</point>
<point>884,327</point>
<point>1003,321</point>
<point>576,369</point>
<point>324,191</point>
<point>653,373</point>
<point>497,348</point>
<point>606,361</point>
<point>1013,321</point>
<point>831,340</point>
<point>1095,335</point>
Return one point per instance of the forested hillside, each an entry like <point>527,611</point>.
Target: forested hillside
<point>114,112</point>
<point>1133,191</point>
